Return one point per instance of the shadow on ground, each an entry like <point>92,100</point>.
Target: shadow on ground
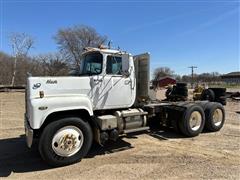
<point>165,133</point>
<point>16,157</point>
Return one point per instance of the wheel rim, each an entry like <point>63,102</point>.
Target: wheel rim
<point>67,141</point>
<point>217,117</point>
<point>195,120</point>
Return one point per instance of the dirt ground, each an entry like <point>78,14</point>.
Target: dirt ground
<point>159,155</point>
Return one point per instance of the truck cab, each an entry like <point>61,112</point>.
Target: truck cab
<point>106,81</point>
<point>111,78</point>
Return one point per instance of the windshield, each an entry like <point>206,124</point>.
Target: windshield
<point>92,64</point>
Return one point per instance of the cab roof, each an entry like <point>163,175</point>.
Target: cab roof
<point>104,50</point>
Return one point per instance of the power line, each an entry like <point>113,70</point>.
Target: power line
<point>192,67</point>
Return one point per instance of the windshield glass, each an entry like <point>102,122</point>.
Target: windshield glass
<point>92,64</point>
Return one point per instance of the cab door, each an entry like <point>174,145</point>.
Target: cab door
<point>116,89</point>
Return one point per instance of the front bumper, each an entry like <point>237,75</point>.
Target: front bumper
<point>28,132</point>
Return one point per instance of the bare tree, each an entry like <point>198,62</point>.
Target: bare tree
<point>203,77</point>
<point>6,64</point>
<point>21,44</point>
<point>162,72</point>
<point>52,64</point>
<point>72,42</point>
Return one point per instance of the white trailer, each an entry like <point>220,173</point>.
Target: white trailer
<point>108,98</point>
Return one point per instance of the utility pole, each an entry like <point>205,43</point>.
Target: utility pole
<point>192,67</point>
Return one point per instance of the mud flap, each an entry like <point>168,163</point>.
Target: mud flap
<point>28,133</point>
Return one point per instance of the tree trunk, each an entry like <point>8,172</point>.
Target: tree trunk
<point>14,71</point>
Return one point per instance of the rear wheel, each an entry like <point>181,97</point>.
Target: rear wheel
<point>192,121</point>
<point>215,117</point>
<point>65,141</point>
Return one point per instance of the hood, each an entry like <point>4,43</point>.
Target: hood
<point>58,86</point>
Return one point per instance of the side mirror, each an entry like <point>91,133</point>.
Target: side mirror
<point>125,65</point>
<point>126,73</point>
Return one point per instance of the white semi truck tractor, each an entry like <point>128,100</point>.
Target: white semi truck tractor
<point>108,98</point>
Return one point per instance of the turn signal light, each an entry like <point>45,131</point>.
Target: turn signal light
<point>41,94</point>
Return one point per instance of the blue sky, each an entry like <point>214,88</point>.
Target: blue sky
<point>177,34</point>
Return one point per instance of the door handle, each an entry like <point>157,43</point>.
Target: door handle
<point>97,80</point>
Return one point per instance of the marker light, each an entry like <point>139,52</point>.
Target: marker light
<point>41,94</point>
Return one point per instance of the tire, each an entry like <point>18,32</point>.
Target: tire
<point>208,94</point>
<point>168,92</point>
<point>203,104</point>
<point>188,125</point>
<point>55,155</point>
<point>181,84</point>
<point>211,124</point>
<point>174,90</point>
<point>180,91</point>
<point>219,91</point>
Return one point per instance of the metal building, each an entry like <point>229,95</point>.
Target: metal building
<point>232,77</point>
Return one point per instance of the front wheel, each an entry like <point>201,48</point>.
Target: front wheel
<point>65,141</point>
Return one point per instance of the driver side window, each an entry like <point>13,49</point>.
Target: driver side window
<point>114,65</point>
